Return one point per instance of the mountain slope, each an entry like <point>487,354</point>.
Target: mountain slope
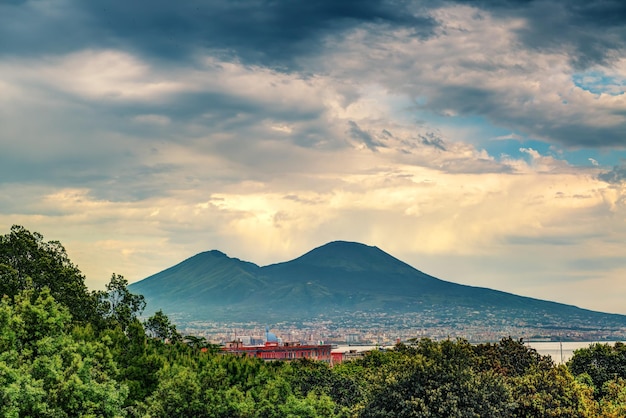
<point>207,278</point>
<point>339,279</point>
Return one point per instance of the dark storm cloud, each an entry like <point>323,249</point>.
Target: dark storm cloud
<point>68,171</point>
<point>599,263</point>
<point>265,32</point>
<point>278,33</point>
<point>591,32</point>
<point>217,110</point>
<point>32,28</point>
<point>465,99</point>
<point>579,134</point>
<point>273,32</point>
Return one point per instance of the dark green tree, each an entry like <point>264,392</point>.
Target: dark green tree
<point>510,357</point>
<point>159,326</point>
<point>602,362</point>
<point>308,376</point>
<point>117,306</point>
<point>138,361</point>
<point>29,262</point>
<point>178,394</point>
<point>430,379</point>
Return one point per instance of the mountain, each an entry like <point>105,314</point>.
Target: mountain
<point>345,281</point>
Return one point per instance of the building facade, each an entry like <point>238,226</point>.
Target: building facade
<point>273,350</point>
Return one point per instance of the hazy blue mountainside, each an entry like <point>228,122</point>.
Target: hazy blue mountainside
<point>336,279</point>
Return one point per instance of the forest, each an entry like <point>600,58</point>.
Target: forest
<point>66,351</point>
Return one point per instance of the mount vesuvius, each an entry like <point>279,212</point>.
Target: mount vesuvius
<point>338,280</point>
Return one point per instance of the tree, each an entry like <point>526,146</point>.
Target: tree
<point>178,394</point>
<point>313,406</point>
<point>11,282</point>
<point>602,362</point>
<point>309,376</point>
<point>510,357</point>
<point>29,262</point>
<point>117,305</point>
<point>613,403</point>
<point>551,393</point>
<point>430,379</point>
<point>196,342</point>
<point>159,326</point>
<point>45,371</point>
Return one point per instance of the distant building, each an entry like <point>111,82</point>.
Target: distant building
<point>339,357</point>
<point>273,350</point>
<point>343,354</point>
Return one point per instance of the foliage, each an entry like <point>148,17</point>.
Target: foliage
<point>601,362</point>
<point>110,364</point>
<point>117,306</point>
<point>510,357</point>
<point>160,327</point>
<point>45,371</point>
<point>307,376</point>
<point>550,393</point>
<point>433,379</point>
<point>613,403</point>
<point>602,368</point>
<point>29,262</point>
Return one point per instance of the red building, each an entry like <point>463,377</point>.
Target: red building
<point>273,350</point>
<point>337,357</point>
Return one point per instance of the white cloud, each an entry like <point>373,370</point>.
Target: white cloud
<point>135,165</point>
<point>401,208</point>
<point>476,66</point>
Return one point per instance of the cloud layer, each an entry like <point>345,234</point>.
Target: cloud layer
<point>481,142</point>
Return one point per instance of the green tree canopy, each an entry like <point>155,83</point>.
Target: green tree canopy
<point>29,262</point>
<point>601,362</point>
<point>117,306</point>
<point>159,326</point>
<point>45,371</point>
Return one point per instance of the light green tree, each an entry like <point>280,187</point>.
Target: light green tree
<point>45,371</point>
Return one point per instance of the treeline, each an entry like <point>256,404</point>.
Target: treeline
<point>69,352</point>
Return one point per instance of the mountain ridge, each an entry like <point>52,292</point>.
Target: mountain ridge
<point>338,279</point>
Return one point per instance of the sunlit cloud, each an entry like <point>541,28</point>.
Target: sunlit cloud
<point>443,133</point>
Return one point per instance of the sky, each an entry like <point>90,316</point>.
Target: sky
<point>482,142</point>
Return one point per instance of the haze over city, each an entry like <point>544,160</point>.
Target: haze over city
<point>481,142</point>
